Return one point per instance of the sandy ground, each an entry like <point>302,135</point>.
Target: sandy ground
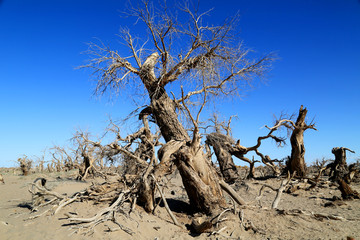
<point>284,223</point>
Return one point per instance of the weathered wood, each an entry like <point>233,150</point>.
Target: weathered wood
<point>200,225</point>
<point>339,168</point>
<point>222,146</point>
<point>346,191</point>
<point>232,193</point>
<point>203,190</point>
<point>297,159</point>
<point>339,173</point>
<point>200,182</point>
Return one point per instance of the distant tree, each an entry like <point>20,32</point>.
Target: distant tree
<point>195,59</point>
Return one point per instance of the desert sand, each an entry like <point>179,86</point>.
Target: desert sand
<point>301,215</point>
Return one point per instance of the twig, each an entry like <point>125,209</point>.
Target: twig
<point>241,216</point>
<point>121,227</point>
<point>36,216</point>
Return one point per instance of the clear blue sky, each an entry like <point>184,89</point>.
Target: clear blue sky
<point>43,99</point>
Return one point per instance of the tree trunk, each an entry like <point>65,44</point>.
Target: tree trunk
<point>251,174</point>
<point>221,145</point>
<point>339,167</point>
<point>339,172</point>
<point>297,160</point>
<point>200,182</point>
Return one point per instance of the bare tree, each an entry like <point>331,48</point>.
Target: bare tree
<point>222,148</point>
<point>209,58</point>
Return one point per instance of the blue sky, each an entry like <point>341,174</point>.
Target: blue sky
<point>44,99</point>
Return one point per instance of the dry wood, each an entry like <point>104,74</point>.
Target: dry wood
<point>200,225</point>
<point>202,57</point>
<point>346,191</point>
<point>166,204</point>
<point>65,202</point>
<point>278,191</point>
<point>317,216</point>
<point>297,159</point>
<point>42,191</point>
<point>102,214</point>
<point>232,193</point>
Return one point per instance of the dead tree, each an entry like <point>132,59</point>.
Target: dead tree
<point>222,146</point>
<point>339,168</point>
<point>240,151</point>
<point>25,165</point>
<point>90,153</point>
<point>65,156</point>
<point>339,172</point>
<point>225,147</point>
<point>204,56</point>
<point>297,159</point>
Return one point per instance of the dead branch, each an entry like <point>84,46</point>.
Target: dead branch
<point>104,213</point>
<point>121,227</point>
<point>278,191</point>
<point>232,192</point>
<point>165,203</point>
<point>42,191</point>
<point>317,216</point>
<point>65,202</point>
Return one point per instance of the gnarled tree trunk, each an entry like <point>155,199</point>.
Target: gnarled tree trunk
<point>338,169</point>
<point>339,172</point>
<point>200,182</point>
<point>297,159</point>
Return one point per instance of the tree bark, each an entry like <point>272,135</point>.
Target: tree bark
<point>297,159</point>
